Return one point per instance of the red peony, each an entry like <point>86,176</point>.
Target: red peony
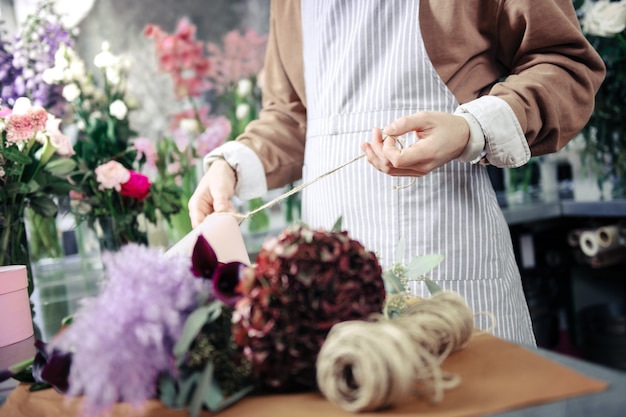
<point>303,283</point>
<point>137,186</point>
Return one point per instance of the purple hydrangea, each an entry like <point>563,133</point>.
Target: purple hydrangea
<point>122,340</point>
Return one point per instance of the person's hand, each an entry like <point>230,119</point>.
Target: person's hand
<point>214,192</point>
<point>442,138</point>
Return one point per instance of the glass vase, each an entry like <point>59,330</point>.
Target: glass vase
<point>14,241</point>
<point>112,234</point>
<point>44,238</point>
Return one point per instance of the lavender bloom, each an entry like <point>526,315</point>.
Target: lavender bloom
<point>123,339</point>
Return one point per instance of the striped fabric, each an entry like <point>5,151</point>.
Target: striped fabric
<point>365,65</point>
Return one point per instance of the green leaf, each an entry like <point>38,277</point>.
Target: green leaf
<point>39,387</point>
<point>167,391</point>
<point>420,265</point>
<point>259,221</point>
<point>13,154</point>
<point>232,399</point>
<point>393,285</point>
<point>337,226</point>
<point>60,166</point>
<point>194,323</point>
<point>202,393</point>
<point>432,286</point>
<point>43,205</point>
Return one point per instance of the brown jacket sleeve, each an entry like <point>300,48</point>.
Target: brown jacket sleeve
<point>530,53</point>
<point>279,134</point>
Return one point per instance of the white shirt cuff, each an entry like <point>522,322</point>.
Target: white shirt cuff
<point>475,148</point>
<point>250,173</point>
<point>505,143</point>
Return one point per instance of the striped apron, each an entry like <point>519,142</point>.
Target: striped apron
<point>365,66</point>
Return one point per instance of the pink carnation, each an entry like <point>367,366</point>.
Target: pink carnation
<point>112,175</point>
<point>22,125</point>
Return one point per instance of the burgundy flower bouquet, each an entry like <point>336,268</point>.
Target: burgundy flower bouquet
<point>198,333</point>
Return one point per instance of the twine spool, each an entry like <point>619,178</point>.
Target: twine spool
<point>369,365</point>
<point>589,243</point>
<point>600,240</point>
<point>608,236</point>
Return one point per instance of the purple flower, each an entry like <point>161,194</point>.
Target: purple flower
<point>32,51</point>
<point>123,339</point>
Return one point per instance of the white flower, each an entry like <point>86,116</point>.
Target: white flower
<point>242,111</point>
<point>189,125</point>
<point>113,76</point>
<point>118,109</point>
<point>22,105</point>
<point>41,138</point>
<point>60,59</point>
<point>244,87</point>
<point>105,58</point>
<point>71,92</point>
<point>604,18</point>
<point>76,70</point>
<point>52,75</point>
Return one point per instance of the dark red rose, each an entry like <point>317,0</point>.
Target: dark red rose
<point>138,186</point>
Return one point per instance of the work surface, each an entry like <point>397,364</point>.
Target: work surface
<point>498,378</point>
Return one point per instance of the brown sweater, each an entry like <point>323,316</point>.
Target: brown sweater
<point>530,53</point>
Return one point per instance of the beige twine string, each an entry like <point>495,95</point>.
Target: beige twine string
<point>369,365</point>
<point>297,189</point>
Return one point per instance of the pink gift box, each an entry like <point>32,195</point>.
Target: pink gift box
<point>16,322</point>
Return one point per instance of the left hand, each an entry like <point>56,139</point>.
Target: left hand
<point>442,138</point>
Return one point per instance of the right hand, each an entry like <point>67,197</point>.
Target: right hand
<point>213,193</point>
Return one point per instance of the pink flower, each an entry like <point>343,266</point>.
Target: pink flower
<point>218,131</point>
<point>76,195</point>
<point>25,121</point>
<point>203,115</point>
<point>62,143</point>
<point>137,186</point>
<point>112,175</point>
<point>145,148</point>
<point>242,56</point>
<point>182,57</point>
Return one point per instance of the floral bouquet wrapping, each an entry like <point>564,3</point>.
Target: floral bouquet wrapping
<point>198,333</point>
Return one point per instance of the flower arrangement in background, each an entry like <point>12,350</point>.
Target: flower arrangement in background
<point>109,161</point>
<point>24,57</point>
<point>604,24</point>
<point>31,52</point>
<point>227,76</point>
<point>193,133</point>
<point>35,159</point>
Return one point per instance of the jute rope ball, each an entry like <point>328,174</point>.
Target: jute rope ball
<point>369,365</point>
